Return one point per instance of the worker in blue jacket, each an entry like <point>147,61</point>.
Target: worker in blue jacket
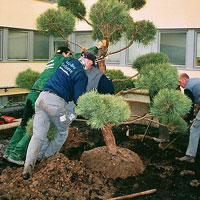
<point>96,80</point>
<point>67,84</point>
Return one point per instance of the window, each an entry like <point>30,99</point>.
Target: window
<point>0,44</point>
<point>198,50</point>
<point>136,50</point>
<point>18,45</point>
<point>59,44</point>
<point>84,40</point>
<point>41,47</point>
<point>174,45</point>
<point>114,58</point>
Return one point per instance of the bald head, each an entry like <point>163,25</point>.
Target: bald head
<point>183,79</point>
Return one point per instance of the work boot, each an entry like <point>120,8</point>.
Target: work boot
<point>31,155</point>
<point>27,172</point>
<point>18,155</point>
<point>17,136</point>
<point>186,158</point>
<point>18,162</point>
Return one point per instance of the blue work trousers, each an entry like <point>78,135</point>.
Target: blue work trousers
<point>194,137</point>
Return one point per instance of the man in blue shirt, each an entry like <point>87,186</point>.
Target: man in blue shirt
<point>67,84</point>
<point>192,90</point>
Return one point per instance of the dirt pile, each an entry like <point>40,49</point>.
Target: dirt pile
<point>56,178</point>
<point>124,164</point>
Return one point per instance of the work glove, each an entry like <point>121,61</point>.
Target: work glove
<point>83,49</point>
<point>101,44</point>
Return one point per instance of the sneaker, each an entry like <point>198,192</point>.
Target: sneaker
<point>186,158</point>
<point>27,172</point>
<point>18,162</point>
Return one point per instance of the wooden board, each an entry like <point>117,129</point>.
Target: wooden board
<point>15,123</point>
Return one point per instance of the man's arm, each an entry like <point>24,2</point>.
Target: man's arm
<point>93,49</point>
<point>105,85</point>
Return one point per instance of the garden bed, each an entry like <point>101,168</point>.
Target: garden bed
<point>64,176</point>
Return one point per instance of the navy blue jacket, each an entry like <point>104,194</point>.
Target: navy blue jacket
<point>69,82</point>
<point>105,85</point>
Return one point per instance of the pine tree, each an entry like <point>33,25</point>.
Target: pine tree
<point>110,21</point>
<point>103,112</point>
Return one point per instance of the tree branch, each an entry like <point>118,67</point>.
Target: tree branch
<point>62,35</point>
<point>140,118</point>
<point>131,42</point>
<point>122,80</point>
<point>126,91</point>
<point>75,44</point>
<point>84,19</point>
<point>110,53</point>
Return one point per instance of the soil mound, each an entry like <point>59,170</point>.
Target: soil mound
<point>56,178</point>
<point>124,164</point>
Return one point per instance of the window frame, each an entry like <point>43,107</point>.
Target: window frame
<point>119,53</point>
<point>128,51</point>
<point>28,45</point>
<point>1,45</point>
<point>175,31</point>
<point>57,39</point>
<point>40,59</point>
<point>82,33</point>
<point>196,31</point>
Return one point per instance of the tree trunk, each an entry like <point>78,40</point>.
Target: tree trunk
<point>109,139</point>
<point>102,66</point>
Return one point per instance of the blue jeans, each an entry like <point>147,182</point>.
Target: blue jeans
<point>48,108</point>
<point>194,137</point>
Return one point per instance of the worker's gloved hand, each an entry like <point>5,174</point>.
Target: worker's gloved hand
<point>101,44</point>
<point>83,49</point>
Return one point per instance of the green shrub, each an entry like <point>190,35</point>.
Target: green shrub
<point>52,132</point>
<point>168,106</point>
<point>27,78</point>
<point>118,86</point>
<point>150,58</point>
<point>155,77</point>
<point>58,22</point>
<point>102,109</point>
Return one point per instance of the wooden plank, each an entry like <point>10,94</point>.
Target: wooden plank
<point>134,195</point>
<point>13,91</point>
<point>14,124</point>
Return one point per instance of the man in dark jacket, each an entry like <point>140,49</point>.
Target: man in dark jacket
<point>192,90</point>
<point>97,79</point>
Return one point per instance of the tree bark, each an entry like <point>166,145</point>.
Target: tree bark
<point>102,66</point>
<point>109,139</point>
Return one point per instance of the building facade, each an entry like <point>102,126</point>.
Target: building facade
<point>22,47</point>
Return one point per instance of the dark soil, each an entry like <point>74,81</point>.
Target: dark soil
<point>64,176</point>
